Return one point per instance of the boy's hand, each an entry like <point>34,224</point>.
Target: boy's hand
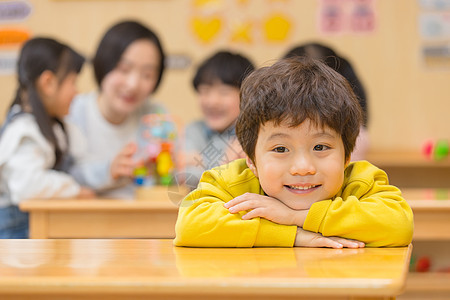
<point>306,238</point>
<point>266,207</point>
<point>123,164</point>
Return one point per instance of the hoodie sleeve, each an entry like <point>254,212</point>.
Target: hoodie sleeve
<point>368,209</point>
<point>203,221</point>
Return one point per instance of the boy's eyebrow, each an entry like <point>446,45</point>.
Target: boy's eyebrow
<point>321,134</point>
<point>324,134</point>
<point>277,135</point>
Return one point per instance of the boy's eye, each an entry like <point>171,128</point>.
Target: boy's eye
<point>147,75</point>
<point>203,90</point>
<point>280,149</point>
<point>226,90</point>
<point>320,147</point>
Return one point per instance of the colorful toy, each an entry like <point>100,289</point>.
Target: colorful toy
<point>420,264</point>
<point>156,143</point>
<point>164,164</point>
<point>423,264</point>
<point>437,151</point>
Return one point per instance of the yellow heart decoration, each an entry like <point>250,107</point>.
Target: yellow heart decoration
<point>277,28</point>
<point>206,28</point>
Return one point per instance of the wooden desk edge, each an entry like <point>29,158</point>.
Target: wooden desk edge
<point>96,204</point>
<point>402,288</point>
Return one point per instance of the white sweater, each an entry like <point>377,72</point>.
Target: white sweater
<point>26,161</point>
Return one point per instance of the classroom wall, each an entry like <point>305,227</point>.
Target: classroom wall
<point>408,100</point>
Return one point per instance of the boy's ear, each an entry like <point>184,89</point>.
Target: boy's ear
<point>251,165</point>
<point>47,83</point>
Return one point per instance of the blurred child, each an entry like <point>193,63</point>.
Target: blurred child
<point>128,67</point>
<point>298,125</point>
<point>33,142</point>
<point>217,83</point>
<point>343,67</point>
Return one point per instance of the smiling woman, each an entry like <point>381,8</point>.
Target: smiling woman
<point>128,67</point>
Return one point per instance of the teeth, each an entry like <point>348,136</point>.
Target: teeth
<point>301,187</point>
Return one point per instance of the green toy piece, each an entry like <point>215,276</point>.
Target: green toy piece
<point>441,149</point>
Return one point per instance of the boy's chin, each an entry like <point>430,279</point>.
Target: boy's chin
<point>299,204</point>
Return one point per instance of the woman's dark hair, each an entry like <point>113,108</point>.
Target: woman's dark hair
<point>225,67</point>
<point>339,64</point>
<point>114,43</point>
<point>294,90</point>
<point>36,56</point>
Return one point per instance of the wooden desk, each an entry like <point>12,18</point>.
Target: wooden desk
<point>412,169</point>
<point>154,269</point>
<point>431,209</point>
<point>151,215</point>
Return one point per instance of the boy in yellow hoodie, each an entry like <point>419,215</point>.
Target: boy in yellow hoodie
<point>298,124</point>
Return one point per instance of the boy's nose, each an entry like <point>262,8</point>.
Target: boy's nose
<point>214,98</point>
<point>302,165</point>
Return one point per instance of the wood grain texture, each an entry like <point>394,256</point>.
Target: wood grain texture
<point>128,268</point>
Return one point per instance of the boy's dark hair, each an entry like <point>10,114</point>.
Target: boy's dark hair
<point>339,64</point>
<point>226,67</point>
<point>293,90</point>
<point>36,56</point>
<point>114,43</point>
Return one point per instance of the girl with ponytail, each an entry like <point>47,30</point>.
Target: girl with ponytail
<point>34,147</point>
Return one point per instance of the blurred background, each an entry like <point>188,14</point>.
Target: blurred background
<point>399,49</point>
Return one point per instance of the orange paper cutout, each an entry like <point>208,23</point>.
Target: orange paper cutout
<point>10,37</point>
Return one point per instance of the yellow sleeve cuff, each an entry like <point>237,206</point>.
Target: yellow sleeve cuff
<point>275,235</point>
<point>316,215</point>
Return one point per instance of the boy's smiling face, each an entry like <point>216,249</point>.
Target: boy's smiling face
<point>299,165</point>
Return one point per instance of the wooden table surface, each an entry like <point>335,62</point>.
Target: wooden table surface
<point>140,269</point>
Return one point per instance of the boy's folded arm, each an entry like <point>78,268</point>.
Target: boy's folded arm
<point>271,234</point>
<point>203,221</point>
<point>379,217</point>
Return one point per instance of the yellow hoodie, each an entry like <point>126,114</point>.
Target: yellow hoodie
<point>366,208</point>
